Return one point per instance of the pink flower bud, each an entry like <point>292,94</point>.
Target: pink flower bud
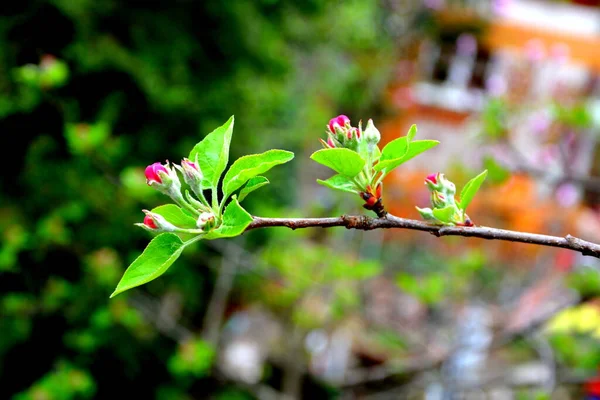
<point>191,173</point>
<point>149,222</point>
<point>190,164</point>
<point>157,223</point>
<point>152,173</point>
<point>432,178</point>
<point>340,121</point>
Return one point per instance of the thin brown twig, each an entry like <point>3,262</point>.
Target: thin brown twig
<point>389,221</point>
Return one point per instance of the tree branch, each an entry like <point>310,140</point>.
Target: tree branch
<point>389,221</point>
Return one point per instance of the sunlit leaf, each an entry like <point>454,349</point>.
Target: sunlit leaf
<point>252,165</point>
<point>342,161</point>
<point>339,182</point>
<point>235,221</point>
<point>468,192</point>
<point>159,255</point>
<point>213,154</point>
<point>415,148</point>
<point>253,184</point>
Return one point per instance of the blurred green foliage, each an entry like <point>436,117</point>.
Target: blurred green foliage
<point>93,91</point>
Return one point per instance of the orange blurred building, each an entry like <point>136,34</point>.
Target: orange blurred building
<point>528,53</point>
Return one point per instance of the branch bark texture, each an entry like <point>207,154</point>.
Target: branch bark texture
<point>389,221</point>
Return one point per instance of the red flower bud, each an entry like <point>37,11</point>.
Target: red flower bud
<point>432,178</point>
<point>152,173</point>
<point>340,121</point>
<point>149,222</point>
<point>330,142</point>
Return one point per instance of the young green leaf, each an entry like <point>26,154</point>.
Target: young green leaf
<point>161,252</point>
<point>412,131</point>
<point>444,215</point>
<point>342,161</point>
<point>468,192</point>
<point>247,167</point>
<point>235,221</point>
<point>339,182</point>
<point>415,148</point>
<point>213,154</point>
<point>176,216</point>
<point>395,149</point>
<point>253,184</point>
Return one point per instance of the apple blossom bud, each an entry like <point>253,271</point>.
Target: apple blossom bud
<point>206,220</point>
<point>164,179</point>
<point>156,223</point>
<point>432,178</point>
<point>433,181</point>
<point>192,175</point>
<point>149,222</point>
<point>371,134</point>
<point>338,122</point>
<point>152,173</point>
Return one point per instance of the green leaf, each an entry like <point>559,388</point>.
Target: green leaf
<point>253,184</point>
<point>339,182</point>
<point>470,189</point>
<point>395,149</point>
<point>161,252</point>
<point>415,148</point>
<point>445,214</point>
<point>213,154</point>
<point>176,216</point>
<point>235,222</point>
<point>249,166</point>
<point>342,161</point>
<point>412,131</point>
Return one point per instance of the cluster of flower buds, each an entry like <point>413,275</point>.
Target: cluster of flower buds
<point>442,198</point>
<point>164,178</point>
<point>341,133</point>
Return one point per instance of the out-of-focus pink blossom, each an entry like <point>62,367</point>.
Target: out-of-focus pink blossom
<point>500,7</point>
<point>560,52</point>
<point>567,195</point>
<point>540,122</point>
<point>496,85</point>
<point>548,155</point>
<point>535,51</point>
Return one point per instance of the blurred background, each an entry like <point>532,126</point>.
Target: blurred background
<point>93,91</point>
